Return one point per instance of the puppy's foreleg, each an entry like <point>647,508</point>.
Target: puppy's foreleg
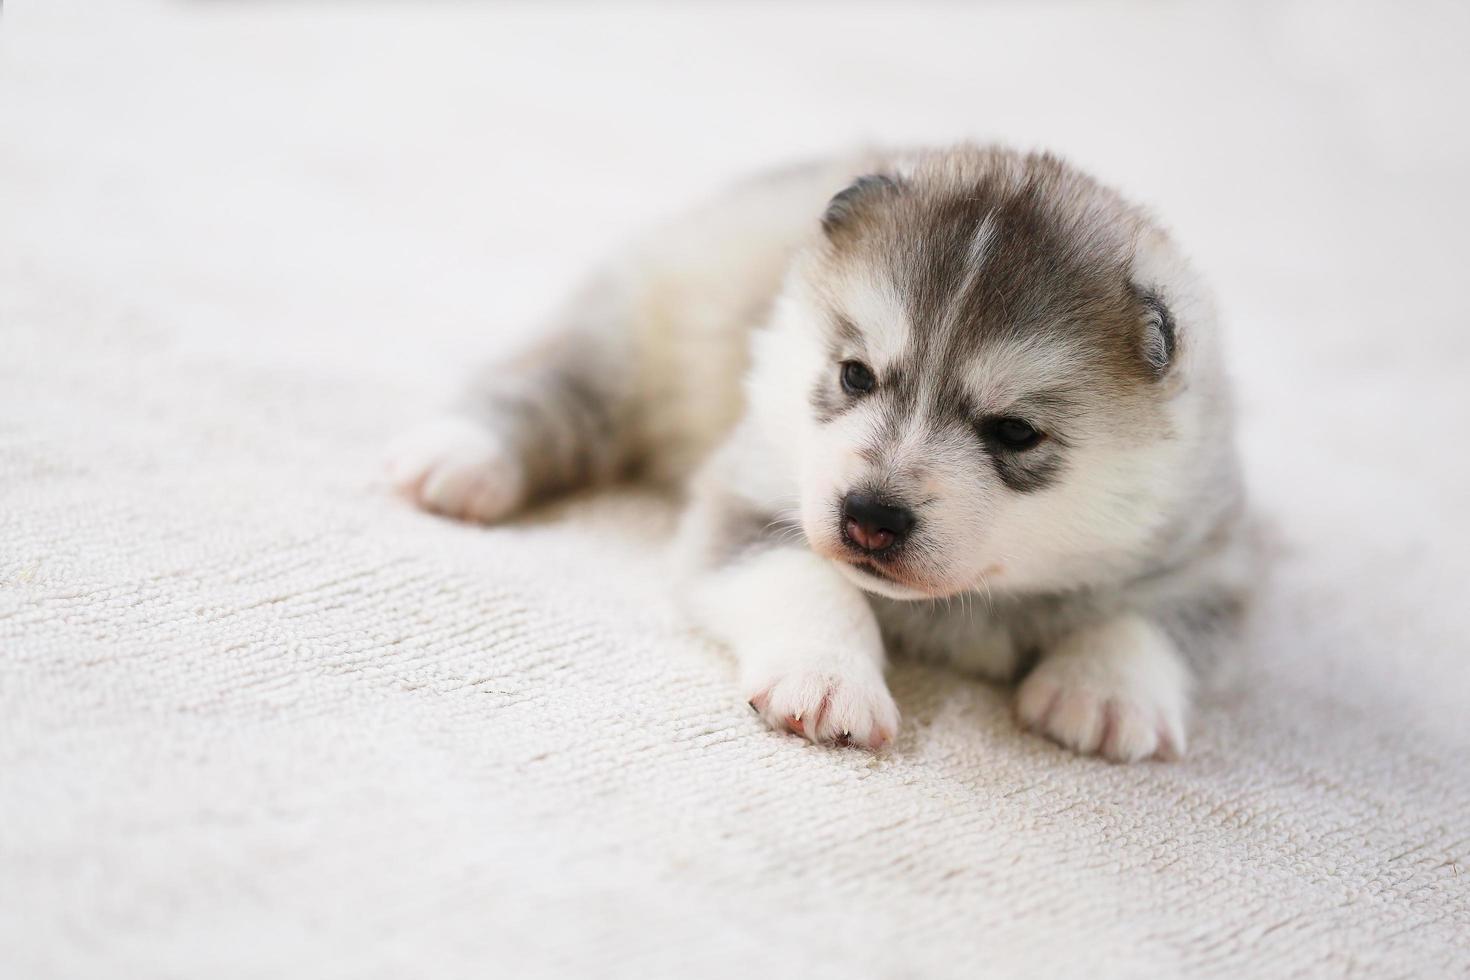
<point>809,651</point>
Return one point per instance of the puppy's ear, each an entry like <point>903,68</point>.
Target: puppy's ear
<point>849,203</point>
<point>1159,339</point>
<point>1175,310</point>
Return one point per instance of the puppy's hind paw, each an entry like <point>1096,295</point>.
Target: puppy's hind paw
<point>454,467</point>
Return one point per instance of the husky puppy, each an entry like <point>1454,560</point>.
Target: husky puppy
<point>971,407</point>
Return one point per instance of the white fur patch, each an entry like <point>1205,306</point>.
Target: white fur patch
<point>874,305</point>
<point>975,257</point>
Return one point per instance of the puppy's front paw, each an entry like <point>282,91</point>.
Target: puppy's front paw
<point>455,467</point>
<point>830,706</point>
<point>1118,690</point>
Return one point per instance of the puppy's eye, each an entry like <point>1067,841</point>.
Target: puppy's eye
<point>1016,435</point>
<point>857,378</point>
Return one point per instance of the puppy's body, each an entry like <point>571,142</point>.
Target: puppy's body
<point>972,407</point>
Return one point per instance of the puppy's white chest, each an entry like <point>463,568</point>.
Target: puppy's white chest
<point>958,632</point>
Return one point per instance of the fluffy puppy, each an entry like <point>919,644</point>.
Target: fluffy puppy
<point>972,406</point>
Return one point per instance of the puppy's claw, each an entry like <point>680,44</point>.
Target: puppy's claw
<point>830,709</point>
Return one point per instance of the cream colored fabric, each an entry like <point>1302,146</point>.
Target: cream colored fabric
<point>258,720</point>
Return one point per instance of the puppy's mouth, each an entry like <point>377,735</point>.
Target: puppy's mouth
<point>872,574</point>
<point>872,577</point>
<point>872,567</point>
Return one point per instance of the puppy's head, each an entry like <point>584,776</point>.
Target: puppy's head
<point>994,355</point>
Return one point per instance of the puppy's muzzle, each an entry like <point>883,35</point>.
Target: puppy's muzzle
<point>873,525</point>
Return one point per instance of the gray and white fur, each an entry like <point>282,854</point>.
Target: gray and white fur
<point>966,403</point>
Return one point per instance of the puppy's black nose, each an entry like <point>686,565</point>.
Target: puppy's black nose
<point>873,525</point>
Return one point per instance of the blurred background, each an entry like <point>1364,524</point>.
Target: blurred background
<point>416,171</point>
<point>241,243</point>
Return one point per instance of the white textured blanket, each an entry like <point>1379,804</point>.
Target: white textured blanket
<point>259,720</point>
